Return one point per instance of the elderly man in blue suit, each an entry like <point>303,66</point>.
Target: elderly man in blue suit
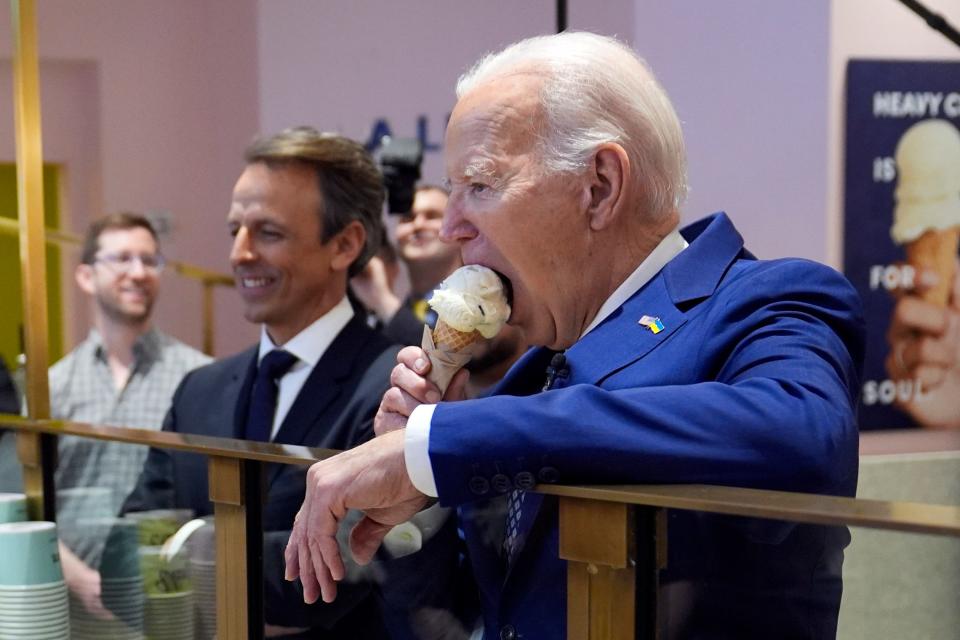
<point>685,360</point>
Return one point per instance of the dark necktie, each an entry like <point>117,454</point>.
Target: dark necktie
<point>512,542</point>
<point>263,400</point>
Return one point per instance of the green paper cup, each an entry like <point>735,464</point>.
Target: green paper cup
<point>162,575</point>
<point>13,507</point>
<point>29,552</point>
<point>159,524</point>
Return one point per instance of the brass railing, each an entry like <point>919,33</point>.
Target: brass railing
<point>613,537</point>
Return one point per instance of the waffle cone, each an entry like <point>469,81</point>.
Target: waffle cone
<point>936,250</point>
<point>446,337</point>
<point>449,350</point>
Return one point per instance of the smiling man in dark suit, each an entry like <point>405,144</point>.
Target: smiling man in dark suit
<point>305,216</point>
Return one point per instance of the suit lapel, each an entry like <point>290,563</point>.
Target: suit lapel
<point>324,384</point>
<point>694,274</point>
<point>621,340</point>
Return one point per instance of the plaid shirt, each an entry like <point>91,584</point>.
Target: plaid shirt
<point>82,390</point>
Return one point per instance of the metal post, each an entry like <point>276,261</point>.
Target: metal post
<point>236,489</point>
<point>598,543</point>
<point>38,453</point>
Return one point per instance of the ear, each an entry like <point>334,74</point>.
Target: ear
<point>347,245</point>
<point>84,277</point>
<point>608,176</point>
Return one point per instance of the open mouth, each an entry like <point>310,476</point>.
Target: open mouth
<point>507,286</point>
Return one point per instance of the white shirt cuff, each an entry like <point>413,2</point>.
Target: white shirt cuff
<point>416,450</point>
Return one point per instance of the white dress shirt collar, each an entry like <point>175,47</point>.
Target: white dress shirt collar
<point>664,252</point>
<point>310,344</point>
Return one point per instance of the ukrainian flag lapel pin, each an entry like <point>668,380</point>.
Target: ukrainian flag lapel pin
<point>651,322</point>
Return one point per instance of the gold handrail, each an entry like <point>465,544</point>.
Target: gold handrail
<point>756,503</point>
<point>809,508</point>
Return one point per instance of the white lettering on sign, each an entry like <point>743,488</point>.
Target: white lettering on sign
<point>951,105</point>
<point>907,104</point>
<point>892,276</point>
<point>889,391</point>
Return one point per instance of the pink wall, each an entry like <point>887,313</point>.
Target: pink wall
<point>749,79</point>
<point>341,66</point>
<point>167,99</point>
<point>71,94</point>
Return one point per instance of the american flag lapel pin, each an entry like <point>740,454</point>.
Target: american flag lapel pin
<point>651,322</point>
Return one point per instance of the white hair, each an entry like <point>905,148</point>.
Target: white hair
<point>598,90</point>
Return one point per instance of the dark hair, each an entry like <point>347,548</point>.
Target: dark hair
<point>351,186</point>
<point>112,222</point>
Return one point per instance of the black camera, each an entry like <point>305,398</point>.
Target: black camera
<point>400,160</point>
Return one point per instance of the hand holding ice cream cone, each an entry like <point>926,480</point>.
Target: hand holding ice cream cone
<point>471,305</point>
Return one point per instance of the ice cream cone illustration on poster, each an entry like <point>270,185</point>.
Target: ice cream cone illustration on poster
<point>927,213</point>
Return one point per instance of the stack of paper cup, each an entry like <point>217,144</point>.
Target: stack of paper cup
<point>159,524</point>
<point>13,507</point>
<point>121,584</point>
<point>203,571</point>
<point>33,595</point>
<point>169,591</point>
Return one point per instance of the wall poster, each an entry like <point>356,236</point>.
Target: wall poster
<point>901,232</point>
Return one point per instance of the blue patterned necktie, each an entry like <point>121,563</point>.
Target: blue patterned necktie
<point>263,400</point>
<point>512,541</point>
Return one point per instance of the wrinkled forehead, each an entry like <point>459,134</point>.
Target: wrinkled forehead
<point>502,114</point>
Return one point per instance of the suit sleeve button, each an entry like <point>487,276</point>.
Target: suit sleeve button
<point>501,483</point>
<point>479,485</point>
<point>508,633</point>
<point>525,481</point>
<point>549,475</point>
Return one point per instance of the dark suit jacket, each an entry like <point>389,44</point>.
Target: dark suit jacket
<point>752,382</point>
<point>334,410</point>
<point>404,327</point>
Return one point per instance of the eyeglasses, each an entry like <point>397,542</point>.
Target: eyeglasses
<point>124,262</point>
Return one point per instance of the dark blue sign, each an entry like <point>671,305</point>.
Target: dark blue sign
<point>884,99</point>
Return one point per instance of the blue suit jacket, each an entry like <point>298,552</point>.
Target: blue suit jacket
<point>752,382</point>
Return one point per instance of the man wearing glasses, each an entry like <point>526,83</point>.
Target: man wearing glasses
<point>123,374</point>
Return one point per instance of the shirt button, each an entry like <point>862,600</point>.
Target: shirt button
<point>508,633</point>
<point>549,475</point>
<point>524,481</point>
<point>500,483</point>
<point>479,485</point>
